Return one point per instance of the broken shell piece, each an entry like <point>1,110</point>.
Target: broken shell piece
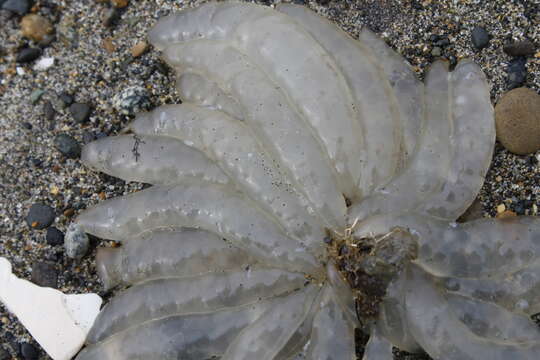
<point>61,322</point>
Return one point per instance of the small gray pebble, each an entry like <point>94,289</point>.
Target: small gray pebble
<point>27,55</point>
<point>48,111</point>
<point>436,51</point>
<point>68,146</point>
<point>44,274</point>
<point>80,112</point>
<point>29,351</point>
<point>40,216</point>
<point>132,100</point>
<point>36,95</point>
<point>66,98</point>
<point>517,72</point>
<point>520,48</point>
<point>54,237</point>
<point>76,242</point>
<point>479,37</point>
<point>20,7</point>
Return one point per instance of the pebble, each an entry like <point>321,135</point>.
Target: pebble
<point>36,95</point>
<point>54,237</point>
<point>132,100</point>
<point>36,27</point>
<point>520,48</point>
<point>66,98</point>
<point>139,49</point>
<point>76,242</point>
<point>120,3</point>
<point>80,112</point>
<point>506,214</point>
<point>40,216</point>
<point>108,45</point>
<point>517,72</point>
<point>68,146</point>
<point>29,351</point>
<point>48,111</point>
<point>44,274</point>
<point>479,37</point>
<point>4,354</point>
<point>517,120</point>
<point>110,16</point>
<point>501,208</point>
<point>44,64</point>
<point>20,7</point>
<point>27,55</point>
<point>436,51</point>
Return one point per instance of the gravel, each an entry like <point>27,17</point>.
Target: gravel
<point>32,170</point>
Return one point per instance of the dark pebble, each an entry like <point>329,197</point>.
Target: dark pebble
<point>517,72</point>
<point>27,55</point>
<point>110,17</point>
<point>44,274</point>
<point>68,146</point>
<point>29,351</point>
<point>479,37</point>
<point>26,125</point>
<point>20,7</point>
<point>54,236</point>
<point>66,98</point>
<point>48,111</point>
<point>40,216</point>
<point>442,43</point>
<point>520,48</point>
<point>37,162</point>
<point>4,354</point>
<point>101,135</point>
<point>80,112</point>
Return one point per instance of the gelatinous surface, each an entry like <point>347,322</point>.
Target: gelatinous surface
<point>294,144</point>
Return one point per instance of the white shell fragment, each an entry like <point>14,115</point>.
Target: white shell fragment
<point>292,143</point>
<point>60,323</point>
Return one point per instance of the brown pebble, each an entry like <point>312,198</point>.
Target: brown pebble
<point>109,45</point>
<point>517,121</point>
<point>102,196</point>
<point>139,48</point>
<point>506,214</point>
<point>36,27</point>
<point>120,3</point>
<point>520,48</point>
<point>69,212</point>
